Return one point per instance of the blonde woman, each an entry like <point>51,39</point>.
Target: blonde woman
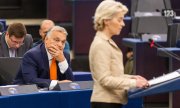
<point>106,59</point>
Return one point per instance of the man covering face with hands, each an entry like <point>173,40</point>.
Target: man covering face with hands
<point>47,64</point>
<point>55,43</point>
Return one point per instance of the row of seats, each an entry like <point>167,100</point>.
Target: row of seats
<point>2,25</point>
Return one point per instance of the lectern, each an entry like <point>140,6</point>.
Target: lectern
<point>174,64</point>
<point>171,86</point>
<point>165,87</point>
<point>148,64</point>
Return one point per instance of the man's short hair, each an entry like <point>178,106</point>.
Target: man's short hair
<point>57,28</point>
<point>17,29</point>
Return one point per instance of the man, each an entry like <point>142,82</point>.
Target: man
<point>36,63</point>
<point>45,26</point>
<point>15,42</point>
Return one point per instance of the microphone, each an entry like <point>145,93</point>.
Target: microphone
<point>151,43</point>
<point>156,45</point>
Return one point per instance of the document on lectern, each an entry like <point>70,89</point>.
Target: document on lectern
<point>164,78</point>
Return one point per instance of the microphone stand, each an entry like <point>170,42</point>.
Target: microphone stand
<point>171,54</point>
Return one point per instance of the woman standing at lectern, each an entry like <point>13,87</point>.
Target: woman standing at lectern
<point>106,59</point>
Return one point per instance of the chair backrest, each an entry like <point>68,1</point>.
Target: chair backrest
<point>147,17</point>
<point>173,34</point>
<point>2,25</point>
<point>152,25</point>
<point>149,5</point>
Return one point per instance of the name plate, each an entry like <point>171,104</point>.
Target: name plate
<point>77,85</point>
<point>17,89</point>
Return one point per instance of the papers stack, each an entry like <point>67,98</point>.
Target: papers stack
<point>164,78</point>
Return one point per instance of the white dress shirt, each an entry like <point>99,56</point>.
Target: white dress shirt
<point>12,52</point>
<point>63,66</point>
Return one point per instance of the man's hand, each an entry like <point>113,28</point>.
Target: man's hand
<point>56,52</point>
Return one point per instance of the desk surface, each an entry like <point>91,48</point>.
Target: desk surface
<point>168,51</point>
<point>131,42</point>
<point>168,86</point>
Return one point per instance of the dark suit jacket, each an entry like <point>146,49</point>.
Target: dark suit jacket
<point>178,43</point>
<point>4,51</point>
<point>37,43</point>
<point>35,68</point>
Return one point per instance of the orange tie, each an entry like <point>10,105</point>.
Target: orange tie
<point>53,70</point>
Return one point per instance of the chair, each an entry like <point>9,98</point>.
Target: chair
<point>2,25</point>
<point>149,6</point>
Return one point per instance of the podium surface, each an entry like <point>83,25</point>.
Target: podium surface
<point>165,87</point>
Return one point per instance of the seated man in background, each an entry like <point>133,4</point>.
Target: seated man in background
<point>45,26</point>
<point>36,67</point>
<point>15,41</point>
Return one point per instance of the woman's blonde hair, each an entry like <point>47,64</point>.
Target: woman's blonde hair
<point>106,10</point>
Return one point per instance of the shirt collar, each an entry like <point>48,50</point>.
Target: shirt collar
<point>49,55</point>
<point>105,37</point>
<point>102,35</point>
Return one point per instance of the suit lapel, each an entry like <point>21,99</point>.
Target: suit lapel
<point>104,37</point>
<point>45,57</point>
<point>5,48</point>
<point>19,52</point>
<point>113,43</point>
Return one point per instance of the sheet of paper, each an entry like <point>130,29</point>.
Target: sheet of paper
<point>164,78</point>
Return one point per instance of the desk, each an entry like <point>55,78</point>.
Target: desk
<point>57,99</point>
<point>168,86</point>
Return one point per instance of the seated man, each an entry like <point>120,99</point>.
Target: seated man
<point>45,26</point>
<point>36,67</point>
<point>15,42</point>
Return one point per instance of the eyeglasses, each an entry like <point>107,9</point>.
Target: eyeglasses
<point>16,42</point>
